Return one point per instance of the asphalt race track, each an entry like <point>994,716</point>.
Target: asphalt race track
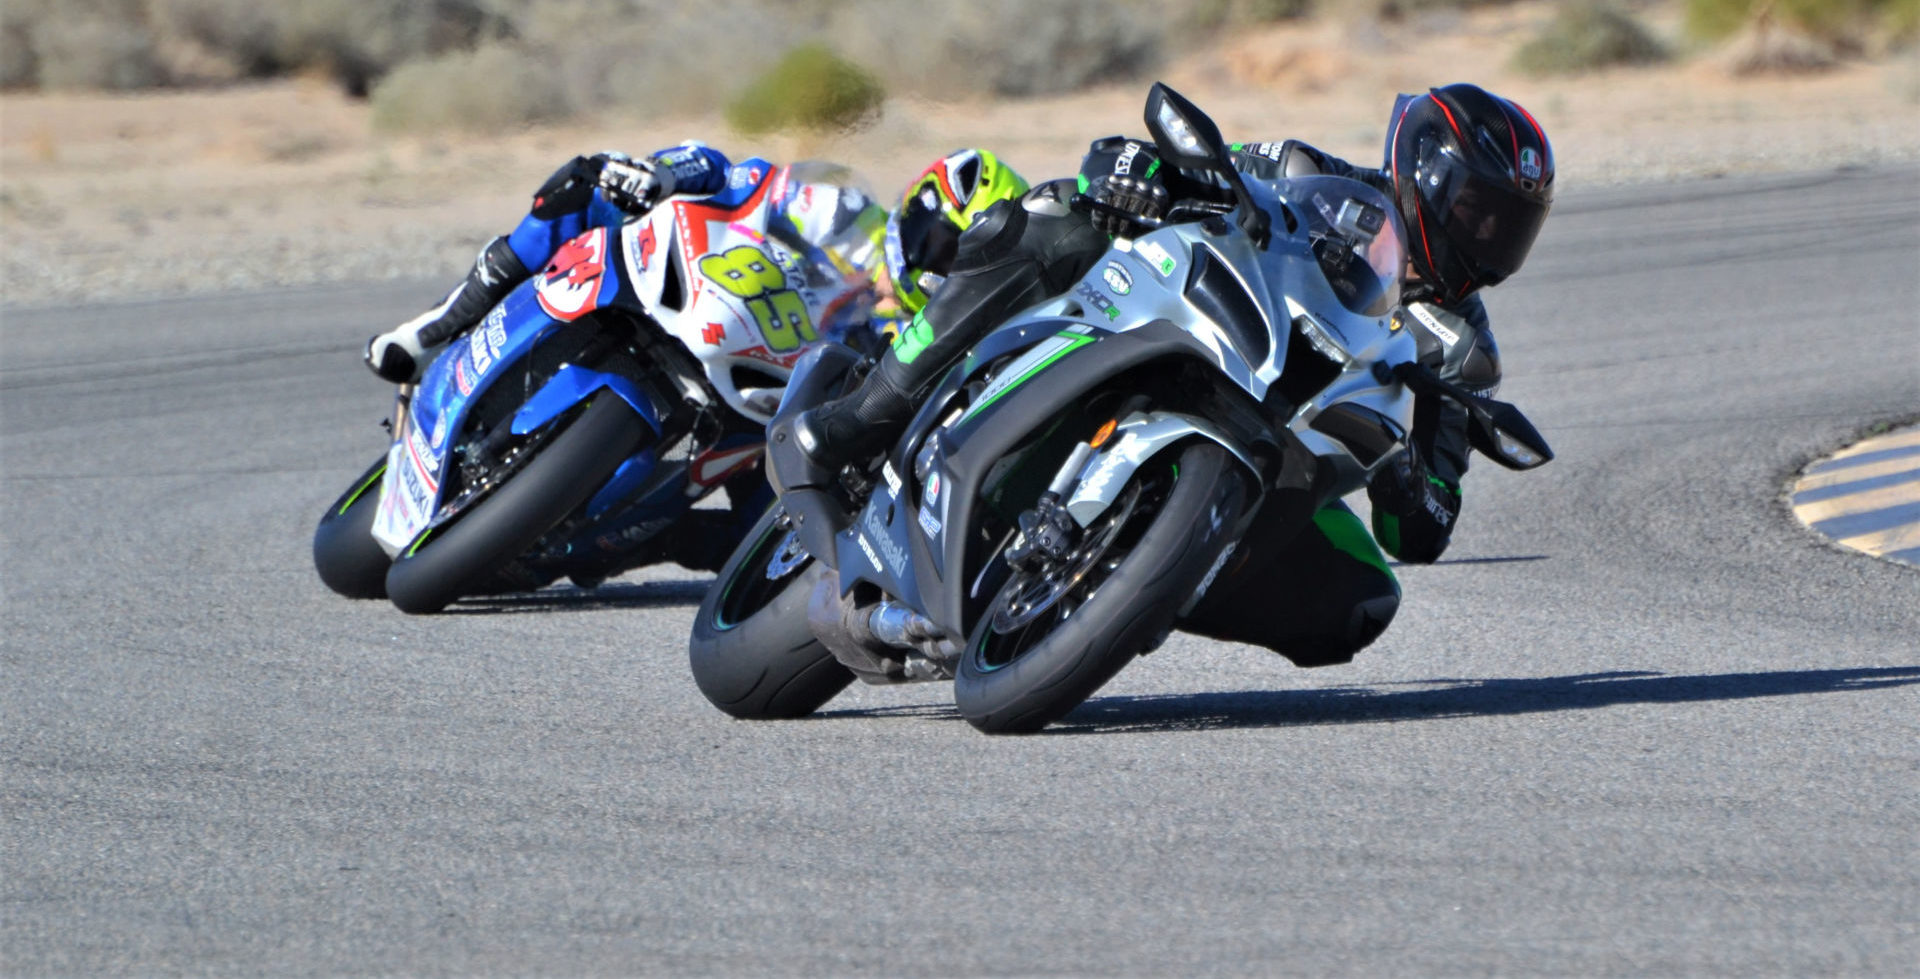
<point>1639,722</point>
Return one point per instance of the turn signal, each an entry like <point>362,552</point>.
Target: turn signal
<point>1106,432</point>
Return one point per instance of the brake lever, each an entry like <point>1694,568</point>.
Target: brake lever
<point>1085,204</point>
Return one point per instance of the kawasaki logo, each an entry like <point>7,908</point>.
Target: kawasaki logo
<point>877,531</point>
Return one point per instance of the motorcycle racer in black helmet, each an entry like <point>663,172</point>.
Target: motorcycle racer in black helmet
<point>1472,174</point>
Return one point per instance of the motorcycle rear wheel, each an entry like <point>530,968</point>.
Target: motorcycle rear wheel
<point>349,560</point>
<point>462,558</point>
<point>751,651</point>
<point>1049,641</point>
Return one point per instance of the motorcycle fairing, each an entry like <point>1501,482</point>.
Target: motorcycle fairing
<point>575,281</point>
<point>957,455</point>
<point>746,303</point>
<point>451,385</point>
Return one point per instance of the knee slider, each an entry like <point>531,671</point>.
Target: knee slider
<point>498,265</point>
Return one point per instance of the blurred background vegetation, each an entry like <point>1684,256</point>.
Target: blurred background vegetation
<point>811,64</point>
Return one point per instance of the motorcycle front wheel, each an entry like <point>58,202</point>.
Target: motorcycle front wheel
<point>349,560</point>
<point>752,653</point>
<point>1054,635</point>
<point>463,557</point>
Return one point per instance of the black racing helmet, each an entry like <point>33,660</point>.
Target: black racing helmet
<point>1473,175</point>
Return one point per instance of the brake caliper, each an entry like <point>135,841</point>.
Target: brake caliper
<point>1048,534</point>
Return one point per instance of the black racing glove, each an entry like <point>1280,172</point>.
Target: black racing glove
<point>634,186</point>
<point>1121,174</point>
<point>1413,511</point>
<point>1131,195</point>
<point>569,190</point>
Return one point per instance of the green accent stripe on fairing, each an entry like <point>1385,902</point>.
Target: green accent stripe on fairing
<point>1152,168</point>
<point>913,339</point>
<point>362,488</point>
<point>1082,179</point>
<point>1078,340</point>
<point>1343,529</point>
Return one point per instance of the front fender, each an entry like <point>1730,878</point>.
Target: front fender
<point>573,384</point>
<point>953,462</point>
<point>1136,439</point>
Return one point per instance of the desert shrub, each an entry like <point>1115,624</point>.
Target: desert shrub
<point>492,88</point>
<point>810,88</point>
<point>357,41</point>
<point>88,53</point>
<point>245,35</point>
<point>1213,14</point>
<point>1001,47</point>
<point>133,43</point>
<point>647,55</point>
<point>19,66</point>
<point>1900,23</point>
<point>1843,24</point>
<point>1400,9</point>
<point>1585,36</point>
<point>77,44</point>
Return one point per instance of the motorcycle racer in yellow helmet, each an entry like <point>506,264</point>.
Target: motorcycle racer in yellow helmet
<point>923,232</point>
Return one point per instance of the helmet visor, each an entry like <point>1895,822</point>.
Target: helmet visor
<point>928,241</point>
<point>1490,224</point>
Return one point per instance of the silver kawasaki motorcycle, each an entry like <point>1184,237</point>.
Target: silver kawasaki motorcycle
<point>1074,486</point>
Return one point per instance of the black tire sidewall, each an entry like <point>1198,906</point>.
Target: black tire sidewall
<point>768,665</point>
<point>350,561</point>
<point>1132,609</point>
<point>563,475</point>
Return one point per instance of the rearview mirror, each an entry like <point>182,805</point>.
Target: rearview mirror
<point>1188,140</point>
<point>1497,429</point>
<point>1501,433</point>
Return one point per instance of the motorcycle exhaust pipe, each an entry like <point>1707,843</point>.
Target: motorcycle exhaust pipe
<point>898,625</point>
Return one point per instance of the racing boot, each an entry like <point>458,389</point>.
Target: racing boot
<point>1013,255</point>
<point>400,355</point>
<point>861,422</point>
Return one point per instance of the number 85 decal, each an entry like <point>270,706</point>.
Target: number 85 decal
<point>747,272</point>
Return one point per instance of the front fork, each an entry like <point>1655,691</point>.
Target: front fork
<point>402,400</point>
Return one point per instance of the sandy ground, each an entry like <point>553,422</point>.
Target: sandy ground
<point>285,183</point>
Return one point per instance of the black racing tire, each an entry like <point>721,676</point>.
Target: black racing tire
<point>1020,680</point>
<point>752,653</point>
<point>349,560</point>
<point>564,474</point>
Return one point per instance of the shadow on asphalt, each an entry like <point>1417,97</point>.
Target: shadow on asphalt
<point>612,595</point>
<point>1482,560</point>
<point>1428,700</point>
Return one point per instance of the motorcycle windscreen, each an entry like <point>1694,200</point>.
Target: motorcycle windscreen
<point>1357,238</point>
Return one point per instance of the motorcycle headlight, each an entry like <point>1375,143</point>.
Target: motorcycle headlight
<point>1317,334</point>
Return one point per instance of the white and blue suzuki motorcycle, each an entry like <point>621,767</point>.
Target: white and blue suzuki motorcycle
<point>624,382</point>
